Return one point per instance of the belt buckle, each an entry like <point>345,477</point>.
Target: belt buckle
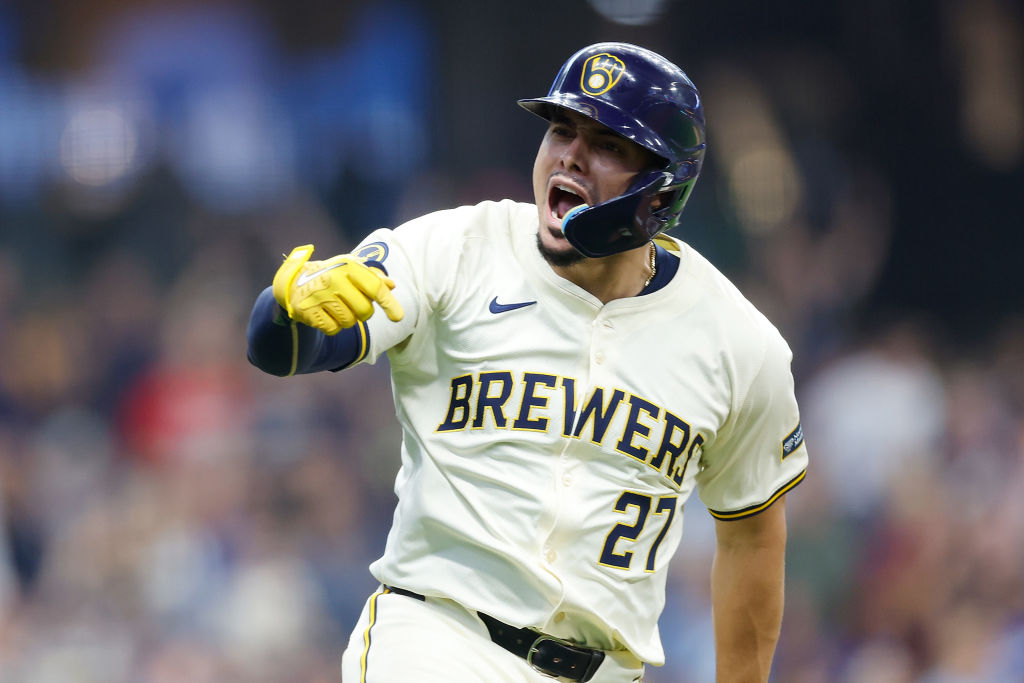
<point>535,648</point>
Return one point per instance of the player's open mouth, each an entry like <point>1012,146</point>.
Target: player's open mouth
<point>563,196</point>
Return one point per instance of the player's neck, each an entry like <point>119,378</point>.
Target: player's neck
<point>614,277</point>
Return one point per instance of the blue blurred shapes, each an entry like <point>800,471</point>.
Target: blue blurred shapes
<point>207,71</point>
<point>28,135</point>
<point>9,35</point>
<point>205,91</point>
<point>176,52</point>
<point>365,104</point>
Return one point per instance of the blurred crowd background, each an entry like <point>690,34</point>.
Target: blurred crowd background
<point>169,514</point>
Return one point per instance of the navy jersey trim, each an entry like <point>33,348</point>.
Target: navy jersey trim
<point>667,264</point>
<point>752,510</point>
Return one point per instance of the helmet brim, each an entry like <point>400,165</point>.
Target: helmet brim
<point>604,113</point>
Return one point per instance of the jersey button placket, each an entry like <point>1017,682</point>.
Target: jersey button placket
<point>600,325</point>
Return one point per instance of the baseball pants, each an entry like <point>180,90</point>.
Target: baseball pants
<point>399,639</point>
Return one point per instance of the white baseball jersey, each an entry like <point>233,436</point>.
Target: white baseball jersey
<point>550,440</point>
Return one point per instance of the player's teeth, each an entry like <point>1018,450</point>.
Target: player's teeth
<point>563,188</point>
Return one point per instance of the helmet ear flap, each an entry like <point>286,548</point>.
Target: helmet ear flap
<point>619,224</point>
<point>676,197</point>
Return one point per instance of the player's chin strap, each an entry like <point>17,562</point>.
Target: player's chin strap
<point>548,655</point>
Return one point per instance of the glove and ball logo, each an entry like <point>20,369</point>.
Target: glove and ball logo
<point>600,73</point>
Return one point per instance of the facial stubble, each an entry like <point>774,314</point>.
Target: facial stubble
<point>558,258</point>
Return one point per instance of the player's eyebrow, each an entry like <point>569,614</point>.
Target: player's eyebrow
<point>559,116</point>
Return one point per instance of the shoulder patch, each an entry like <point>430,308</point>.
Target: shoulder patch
<point>793,440</point>
<point>374,251</point>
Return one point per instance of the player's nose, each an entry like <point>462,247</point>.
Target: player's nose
<point>574,155</point>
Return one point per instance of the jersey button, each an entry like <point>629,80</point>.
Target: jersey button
<point>567,479</point>
<point>598,357</point>
<point>560,617</point>
<point>608,325</point>
<point>550,555</point>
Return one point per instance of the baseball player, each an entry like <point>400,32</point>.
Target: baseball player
<point>565,375</point>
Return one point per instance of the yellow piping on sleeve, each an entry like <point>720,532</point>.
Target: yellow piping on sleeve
<point>747,512</point>
<point>364,345</point>
<point>295,348</point>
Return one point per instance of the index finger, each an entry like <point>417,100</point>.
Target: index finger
<point>389,303</point>
<point>376,285</point>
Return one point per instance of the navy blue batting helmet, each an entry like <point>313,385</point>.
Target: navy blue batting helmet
<point>647,99</point>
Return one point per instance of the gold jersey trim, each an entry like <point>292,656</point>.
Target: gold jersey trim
<point>754,509</point>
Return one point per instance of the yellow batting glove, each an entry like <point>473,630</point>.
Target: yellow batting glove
<point>333,294</point>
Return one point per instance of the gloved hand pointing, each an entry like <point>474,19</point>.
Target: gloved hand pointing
<point>333,294</point>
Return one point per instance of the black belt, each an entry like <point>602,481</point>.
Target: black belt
<point>549,655</point>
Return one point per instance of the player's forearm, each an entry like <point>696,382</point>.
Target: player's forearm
<point>747,591</point>
<point>279,346</point>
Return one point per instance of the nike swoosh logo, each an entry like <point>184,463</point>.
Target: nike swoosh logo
<point>306,277</point>
<point>495,307</point>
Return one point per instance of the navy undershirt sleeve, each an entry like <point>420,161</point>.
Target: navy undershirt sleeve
<point>274,346</point>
